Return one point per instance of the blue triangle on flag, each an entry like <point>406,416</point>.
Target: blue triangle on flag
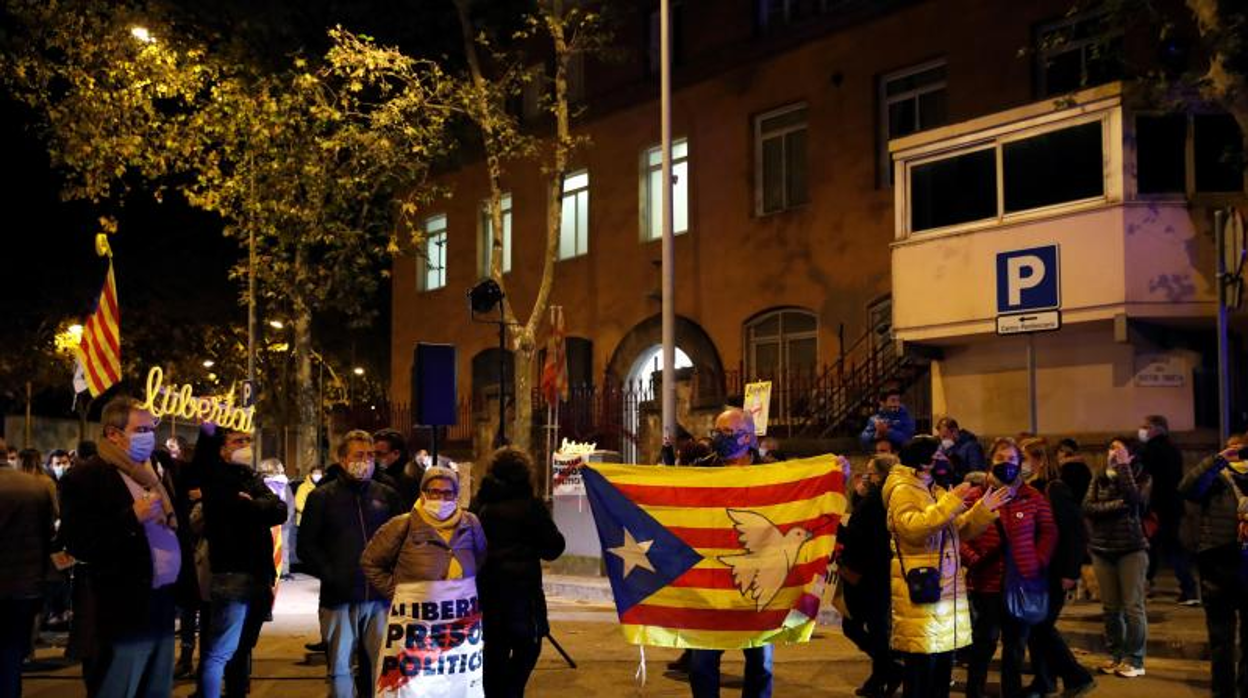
<point>619,519</point>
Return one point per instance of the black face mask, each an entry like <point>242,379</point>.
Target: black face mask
<point>942,473</point>
<point>1006,472</point>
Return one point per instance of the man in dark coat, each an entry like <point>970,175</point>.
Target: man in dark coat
<point>117,516</point>
<point>521,534</point>
<point>1162,460</point>
<point>390,453</point>
<point>239,513</point>
<point>339,519</point>
<point>26,526</point>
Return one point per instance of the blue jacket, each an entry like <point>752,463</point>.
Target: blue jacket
<point>900,428</point>
<point>966,453</point>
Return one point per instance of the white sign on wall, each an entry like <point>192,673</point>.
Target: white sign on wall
<point>1160,371</point>
<point>758,405</point>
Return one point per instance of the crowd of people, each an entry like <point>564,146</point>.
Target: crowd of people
<point>185,543</point>
<point>949,553</point>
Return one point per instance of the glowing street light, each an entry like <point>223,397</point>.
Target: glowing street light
<point>142,34</point>
<point>209,363</point>
<point>358,370</point>
<point>276,324</point>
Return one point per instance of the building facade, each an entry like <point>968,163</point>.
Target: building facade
<point>798,256</point>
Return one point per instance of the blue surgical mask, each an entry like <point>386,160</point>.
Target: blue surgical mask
<point>726,444</point>
<point>141,446</point>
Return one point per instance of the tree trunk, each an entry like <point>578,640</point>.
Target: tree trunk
<point>522,428</point>
<point>306,395</point>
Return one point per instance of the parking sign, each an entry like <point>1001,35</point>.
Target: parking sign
<point>1028,280</point>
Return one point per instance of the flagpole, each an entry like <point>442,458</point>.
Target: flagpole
<point>668,284</point>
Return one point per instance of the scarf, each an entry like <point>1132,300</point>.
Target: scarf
<point>445,529</point>
<point>142,473</point>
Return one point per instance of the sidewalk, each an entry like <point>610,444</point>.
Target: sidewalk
<point>1174,631</point>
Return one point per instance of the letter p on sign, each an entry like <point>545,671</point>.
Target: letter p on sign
<point>1028,280</point>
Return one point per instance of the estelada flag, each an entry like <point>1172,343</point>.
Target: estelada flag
<point>99,351</point>
<point>555,368</point>
<point>717,558</point>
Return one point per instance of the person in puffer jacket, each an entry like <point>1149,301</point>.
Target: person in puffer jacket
<point>1026,522</point>
<point>928,524</point>
<point>1114,504</point>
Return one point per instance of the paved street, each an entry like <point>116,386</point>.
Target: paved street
<point>829,666</point>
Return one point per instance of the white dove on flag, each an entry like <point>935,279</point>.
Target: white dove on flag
<point>769,555</point>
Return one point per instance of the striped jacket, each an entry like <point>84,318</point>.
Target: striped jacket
<point>1028,521</point>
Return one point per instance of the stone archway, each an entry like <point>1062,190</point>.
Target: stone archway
<point>690,337</point>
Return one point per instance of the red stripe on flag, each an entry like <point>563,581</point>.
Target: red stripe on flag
<point>721,578</point>
<point>727,537</point>
<point>89,364</point>
<point>97,356</point>
<point>106,330</point>
<point>734,497</point>
<point>703,618</point>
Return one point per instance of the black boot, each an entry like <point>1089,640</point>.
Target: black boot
<point>185,668</point>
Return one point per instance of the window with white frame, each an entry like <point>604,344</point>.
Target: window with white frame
<point>652,180</point>
<point>911,100</point>
<point>780,159</point>
<point>486,230</point>
<point>1010,174</point>
<point>574,217</point>
<point>1078,51</point>
<point>431,268</point>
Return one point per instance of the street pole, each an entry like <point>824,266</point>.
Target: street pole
<point>1224,375</point>
<point>1031,382</point>
<point>502,375</point>
<point>26,436</point>
<point>251,312</point>
<point>669,252</point>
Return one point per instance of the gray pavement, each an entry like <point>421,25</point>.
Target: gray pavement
<point>827,666</point>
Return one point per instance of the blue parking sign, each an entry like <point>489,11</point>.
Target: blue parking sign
<point>1028,280</point>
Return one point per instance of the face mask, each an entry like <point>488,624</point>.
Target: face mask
<point>241,456</point>
<point>440,509</point>
<point>762,452</point>
<point>726,445</point>
<point>1143,434</point>
<point>58,471</point>
<point>1027,469</point>
<point>12,462</point>
<point>141,446</point>
<point>946,444</point>
<point>1005,472</point>
<point>360,469</point>
<point>316,477</point>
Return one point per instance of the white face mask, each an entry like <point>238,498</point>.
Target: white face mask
<point>316,477</point>
<point>440,509</point>
<point>360,469</point>
<point>1143,434</point>
<point>241,456</point>
<point>946,444</point>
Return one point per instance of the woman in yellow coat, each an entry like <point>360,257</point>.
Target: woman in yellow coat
<point>927,523</point>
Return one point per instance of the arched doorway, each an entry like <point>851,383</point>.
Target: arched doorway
<point>639,387</point>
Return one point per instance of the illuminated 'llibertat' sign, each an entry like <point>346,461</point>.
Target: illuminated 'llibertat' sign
<point>181,402</point>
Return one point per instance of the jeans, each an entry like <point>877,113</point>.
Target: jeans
<point>993,622</point>
<point>238,609</point>
<point>1167,548</point>
<point>1051,657</point>
<point>1122,582</point>
<point>1226,605</point>
<point>926,675</point>
<point>355,628</point>
<point>16,616</point>
<point>704,672</point>
<point>139,667</point>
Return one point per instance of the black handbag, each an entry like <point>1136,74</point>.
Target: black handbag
<point>1026,600</point>
<point>923,583</point>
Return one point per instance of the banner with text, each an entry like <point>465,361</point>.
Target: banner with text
<point>434,642</point>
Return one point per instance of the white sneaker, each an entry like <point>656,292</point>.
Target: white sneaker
<point>1127,671</point>
<point>1110,667</point>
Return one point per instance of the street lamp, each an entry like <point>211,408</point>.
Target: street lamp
<point>482,298</point>
<point>276,324</point>
<point>209,363</point>
<point>142,35</point>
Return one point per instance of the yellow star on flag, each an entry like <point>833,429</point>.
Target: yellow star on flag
<point>633,553</point>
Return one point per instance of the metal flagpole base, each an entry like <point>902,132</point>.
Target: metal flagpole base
<point>559,648</point>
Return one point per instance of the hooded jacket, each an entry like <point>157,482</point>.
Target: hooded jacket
<point>339,520</point>
<point>1113,508</point>
<point>918,517</point>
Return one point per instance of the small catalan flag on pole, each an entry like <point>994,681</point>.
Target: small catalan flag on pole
<point>99,352</point>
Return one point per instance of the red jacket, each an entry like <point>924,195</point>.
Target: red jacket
<point>1028,522</point>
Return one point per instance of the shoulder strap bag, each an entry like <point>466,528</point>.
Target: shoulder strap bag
<point>1026,600</point>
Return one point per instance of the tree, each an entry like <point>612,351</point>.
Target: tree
<point>323,164</point>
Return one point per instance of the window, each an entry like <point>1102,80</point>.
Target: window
<point>576,78</point>
<point>782,346</point>
<point>1182,154</point>
<point>652,180</point>
<point>1009,175</point>
<point>486,229</point>
<point>911,100</point>
<point>431,269</point>
<point>574,219</point>
<point>780,159</point>
<point>1053,167</point>
<point>1077,52</point>
<point>774,14</point>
